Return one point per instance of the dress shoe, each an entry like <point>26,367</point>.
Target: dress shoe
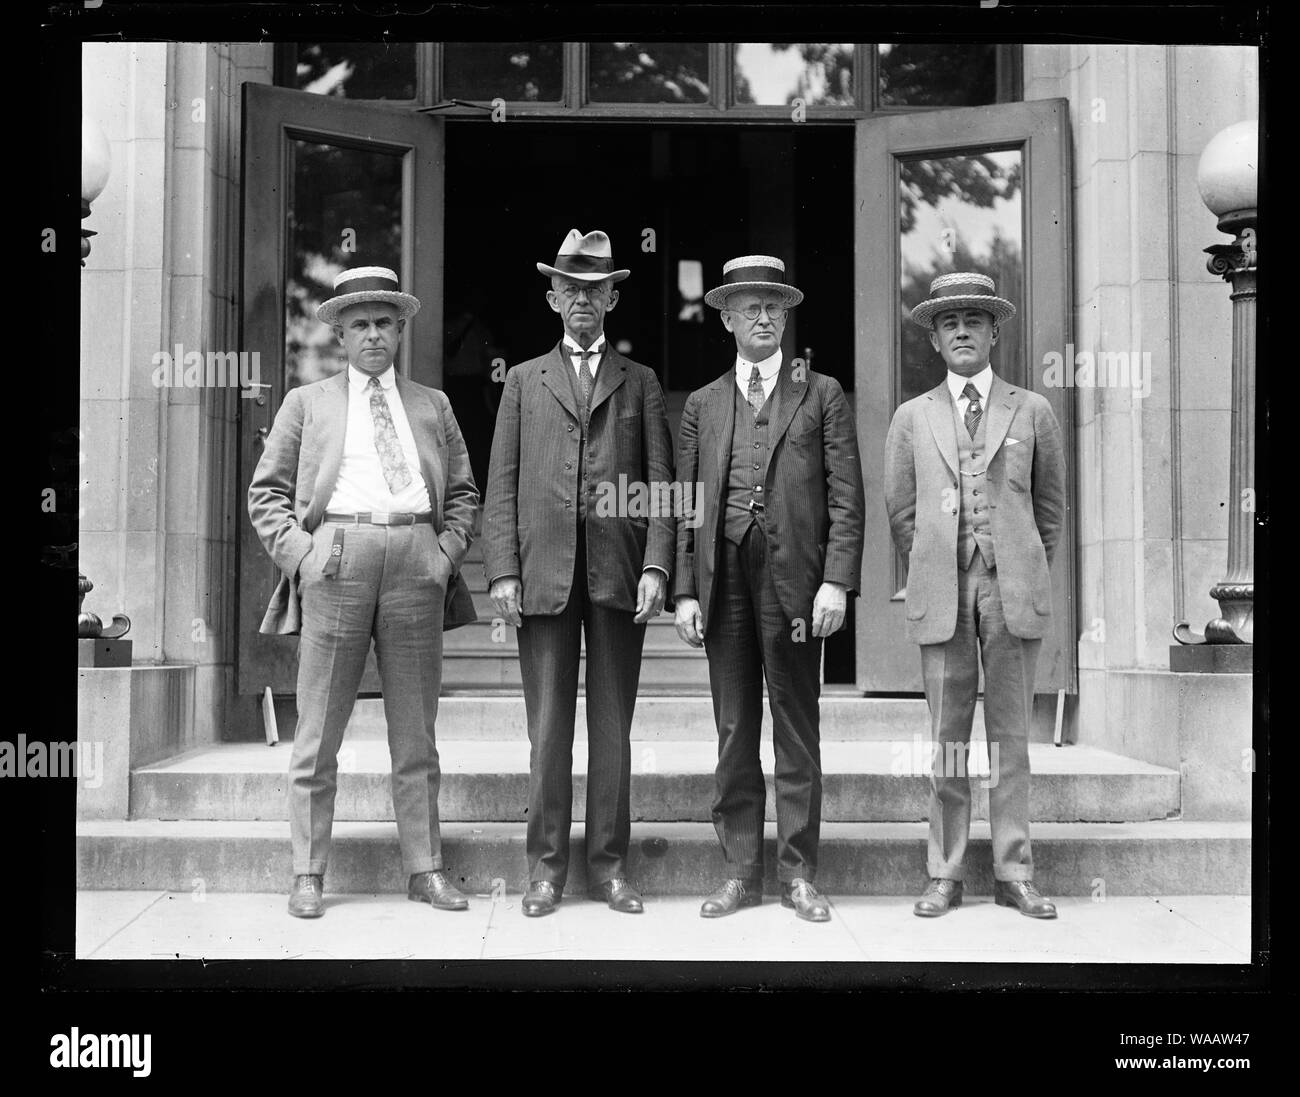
<point>729,898</point>
<point>1024,896</point>
<point>939,898</point>
<point>808,903</point>
<point>620,895</point>
<point>436,888</point>
<point>541,898</point>
<point>307,899</point>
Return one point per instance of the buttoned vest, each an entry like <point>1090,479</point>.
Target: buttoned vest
<point>750,452</point>
<point>973,526</point>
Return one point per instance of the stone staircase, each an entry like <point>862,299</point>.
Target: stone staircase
<point>216,816</point>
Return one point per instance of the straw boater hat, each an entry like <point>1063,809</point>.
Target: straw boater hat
<point>752,272</point>
<point>587,258</point>
<point>360,284</point>
<point>962,291</point>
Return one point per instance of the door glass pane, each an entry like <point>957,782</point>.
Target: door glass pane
<point>960,213</point>
<point>513,71</point>
<point>345,211</point>
<point>648,72</point>
<point>936,75</point>
<point>357,70</point>
<point>777,73</point>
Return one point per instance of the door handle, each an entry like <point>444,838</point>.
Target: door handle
<point>252,390</point>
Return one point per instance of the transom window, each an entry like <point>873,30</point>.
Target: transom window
<point>804,81</point>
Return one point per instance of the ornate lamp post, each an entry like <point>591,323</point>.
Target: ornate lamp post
<point>1228,179</point>
<point>96,163</point>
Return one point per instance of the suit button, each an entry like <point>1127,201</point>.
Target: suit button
<point>976,491</point>
<point>568,502</point>
<point>570,426</point>
<point>756,445</point>
<point>567,466</point>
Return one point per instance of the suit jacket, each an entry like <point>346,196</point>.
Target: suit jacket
<point>530,514</point>
<point>1026,485</point>
<point>297,471</point>
<point>813,498</point>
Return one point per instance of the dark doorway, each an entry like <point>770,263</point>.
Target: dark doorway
<point>677,202</point>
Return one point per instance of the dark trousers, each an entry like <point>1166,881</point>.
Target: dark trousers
<point>549,653</point>
<point>389,588</point>
<point>748,637</point>
<point>951,673</point>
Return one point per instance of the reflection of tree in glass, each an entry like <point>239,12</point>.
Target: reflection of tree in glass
<point>513,71</point>
<point>922,368</point>
<point>357,70</point>
<point>936,75</point>
<point>975,180</point>
<point>827,77</point>
<point>644,72</point>
<point>342,198</point>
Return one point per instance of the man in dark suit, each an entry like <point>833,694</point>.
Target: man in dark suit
<point>562,562</point>
<point>764,575</point>
<point>975,487</point>
<point>364,499</point>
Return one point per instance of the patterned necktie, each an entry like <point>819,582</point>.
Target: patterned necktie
<point>391,457</point>
<point>586,382</point>
<point>754,394</point>
<point>973,409</point>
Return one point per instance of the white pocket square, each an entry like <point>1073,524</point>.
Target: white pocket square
<point>1012,442</point>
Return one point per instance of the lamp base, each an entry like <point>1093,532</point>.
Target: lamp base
<point>98,652</point>
<point>1211,658</point>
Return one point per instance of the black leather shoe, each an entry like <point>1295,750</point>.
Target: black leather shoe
<point>620,895</point>
<point>1022,895</point>
<point>307,900</point>
<point>808,903</point>
<point>729,898</point>
<point>940,897</point>
<point>541,898</point>
<point>436,888</point>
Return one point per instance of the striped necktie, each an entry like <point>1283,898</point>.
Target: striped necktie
<point>973,410</point>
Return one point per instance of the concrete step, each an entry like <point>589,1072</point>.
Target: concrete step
<point>491,665</point>
<point>675,715</point>
<point>490,635</point>
<point>1097,859</point>
<point>672,781</point>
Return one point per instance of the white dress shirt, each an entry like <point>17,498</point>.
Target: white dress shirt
<point>983,381</point>
<point>594,361</point>
<point>361,485</point>
<point>768,369</point>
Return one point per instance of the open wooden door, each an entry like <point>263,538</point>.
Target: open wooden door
<point>327,184</point>
<point>985,189</point>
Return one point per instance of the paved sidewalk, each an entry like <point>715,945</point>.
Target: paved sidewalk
<point>140,925</point>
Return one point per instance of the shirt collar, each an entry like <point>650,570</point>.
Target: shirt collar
<point>359,379</point>
<point>983,381</point>
<point>597,344</point>
<point>767,368</point>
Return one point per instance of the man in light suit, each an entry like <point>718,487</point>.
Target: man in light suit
<point>562,563</point>
<point>364,499</point>
<point>765,574</point>
<point>975,488</point>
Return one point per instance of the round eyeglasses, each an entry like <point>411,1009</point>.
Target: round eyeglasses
<point>752,312</point>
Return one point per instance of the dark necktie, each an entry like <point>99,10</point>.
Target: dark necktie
<point>754,394</point>
<point>391,457</point>
<point>973,410</point>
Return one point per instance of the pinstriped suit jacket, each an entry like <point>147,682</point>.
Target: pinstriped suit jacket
<point>530,517</point>
<point>813,494</point>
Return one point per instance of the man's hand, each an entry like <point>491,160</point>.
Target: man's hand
<point>507,596</point>
<point>690,622</point>
<point>829,609</point>
<point>650,594</point>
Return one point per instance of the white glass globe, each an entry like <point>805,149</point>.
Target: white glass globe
<point>1228,172</point>
<point>96,159</point>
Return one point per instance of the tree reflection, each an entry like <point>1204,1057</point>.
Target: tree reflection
<point>649,72</point>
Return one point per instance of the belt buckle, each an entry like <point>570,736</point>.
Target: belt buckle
<point>755,506</point>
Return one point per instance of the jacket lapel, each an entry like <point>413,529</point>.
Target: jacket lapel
<point>557,381</point>
<point>938,413</point>
<point>1002,406</point>
<point>331,412</point>
<point>422,416</point>
<point>611,373</point>
<point>789,394</point>
<point>721,411</point>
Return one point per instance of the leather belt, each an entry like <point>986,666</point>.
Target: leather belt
<point>379,518</point>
